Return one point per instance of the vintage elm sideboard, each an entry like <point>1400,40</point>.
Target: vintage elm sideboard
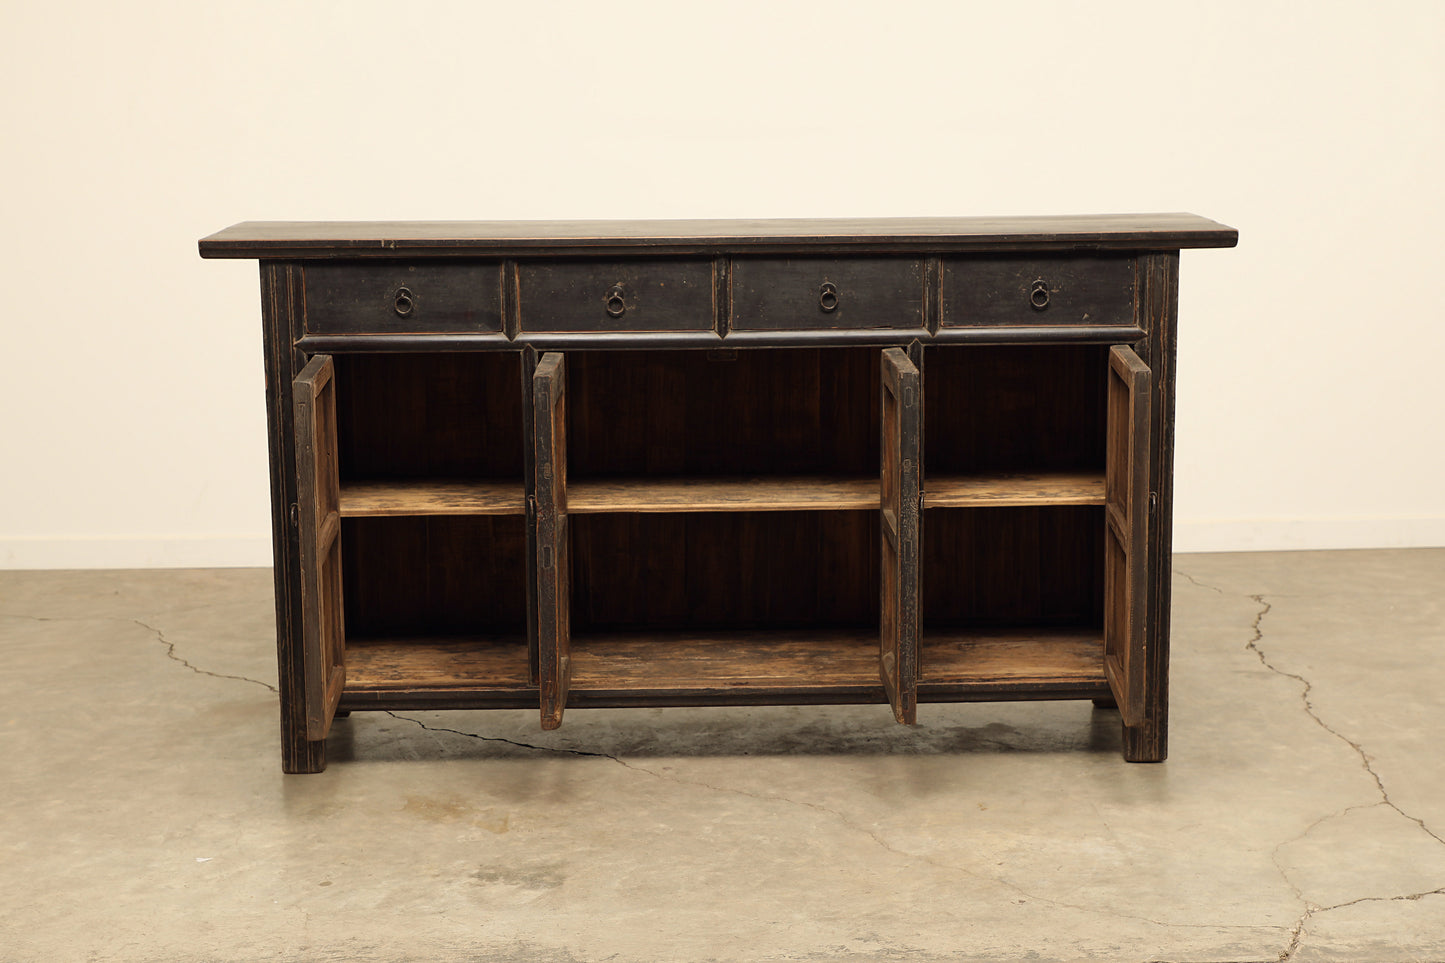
<point>680,463</point>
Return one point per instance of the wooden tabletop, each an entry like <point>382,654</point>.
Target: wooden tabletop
<point>302,239</point>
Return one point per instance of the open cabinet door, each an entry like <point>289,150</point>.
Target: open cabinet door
<point>899,454</point>
<point>1126,541</point>
<point>554,569</point>
<point>318,506</point>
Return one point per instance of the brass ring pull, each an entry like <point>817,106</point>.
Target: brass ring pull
<point>828,297</point>
<point>404,302</point>
<point>1039,294</point>
<point>615,305</point>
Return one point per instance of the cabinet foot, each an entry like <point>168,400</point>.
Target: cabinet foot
<point>1145,742</point>
<point>302,755</point>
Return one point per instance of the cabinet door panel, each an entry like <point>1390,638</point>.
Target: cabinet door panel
<point>1126,541</point>
<point>318,502</point>
<point>554,564</point>
<point>899,482</point>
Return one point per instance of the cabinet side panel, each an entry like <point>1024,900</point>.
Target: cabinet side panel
<point>281,308</point>
<point>1158,305</point>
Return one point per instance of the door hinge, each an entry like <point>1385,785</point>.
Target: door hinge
<point>1153,503</point>
<point>295,516</point>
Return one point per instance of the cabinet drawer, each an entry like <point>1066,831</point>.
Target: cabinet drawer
<point>388,297</point>
<point>779,294</point>
<point>1010,290</point>
<point>640,295</point>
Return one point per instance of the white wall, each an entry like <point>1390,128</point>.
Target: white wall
<point>1309,382</point>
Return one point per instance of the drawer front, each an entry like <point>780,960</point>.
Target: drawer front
<point>639,295</point>
<point>782,294</point>
<point>384,297</point>
<point>1010,290</point>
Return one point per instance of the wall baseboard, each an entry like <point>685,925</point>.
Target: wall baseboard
<point>1190,535</point>
<point>199,551</point>
<point>1295,534</point>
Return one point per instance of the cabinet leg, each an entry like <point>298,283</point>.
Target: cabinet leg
<point>301,755</point>
<point>1146,742</point>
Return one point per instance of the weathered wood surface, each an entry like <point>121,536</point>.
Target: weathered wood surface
<point>1071,290</point>
<point>642,294</point>
<point>1013,489</point>
<point>757,493</point>
<point>275,239</point>
<point>432,496</point>
<point>1126,515</point>
<point>317,501</point>
<point>349,297</point>
<point>554,541</point>
<point>770,294</point>
<point>901,405</point>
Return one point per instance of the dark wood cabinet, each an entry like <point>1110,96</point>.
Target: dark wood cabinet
<point>587,464</point>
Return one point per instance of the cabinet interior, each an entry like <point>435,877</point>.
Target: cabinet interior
<point>723,521</point>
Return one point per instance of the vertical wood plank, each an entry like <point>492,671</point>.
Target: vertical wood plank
<point>282,308</point>
<point>900,391</point>
<point>1158,304</point>
<point>1126,558</point>
<point>529,463</point>
<point>553,562</point>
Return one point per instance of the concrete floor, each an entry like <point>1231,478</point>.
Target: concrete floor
<point>1300,815</point>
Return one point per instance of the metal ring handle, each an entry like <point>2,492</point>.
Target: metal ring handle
<point>828,297</point>
<point>616,307</point>
<point>1039,294</point>
<point>404,302</point>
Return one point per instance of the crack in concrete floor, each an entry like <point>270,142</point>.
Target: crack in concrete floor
<point>1296,936</point>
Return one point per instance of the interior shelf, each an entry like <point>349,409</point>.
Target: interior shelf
<point>398,497</point>
<point>955,663</point>
<point>800,660</point>
<point>763,493</point>
<point>1013,489</point>
<point>476,662</point>
<point>771,493</point>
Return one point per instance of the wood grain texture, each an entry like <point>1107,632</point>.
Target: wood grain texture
<point>429,662</point>
<point>701,668</point>
<point>1158,306</point>
<point>391,239</point>
<point>430,416</point>
<point>677,662</point>
<point>281,315</point>
<point>322,628</point>
<point>1015,409</point>
<point>757,493</point>
<point>422,496</point>
<point>733,570</point>
<point>1126,532</point>
<point>723,413</point>
<point>554,540</point>
<point>901,403</point>
<point>1014,489</point>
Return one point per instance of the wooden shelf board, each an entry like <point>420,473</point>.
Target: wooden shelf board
<point>1013,489</point>
<point>478,662</point>
<point>704,668</point>
<point>823,659</point>
<point>430,496</point>
<point>722,494</point>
